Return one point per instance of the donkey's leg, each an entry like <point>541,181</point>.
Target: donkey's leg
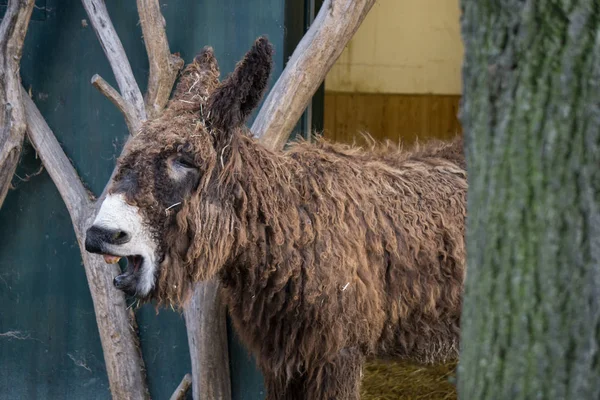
<point>278,388</point>
<point>337,380</point>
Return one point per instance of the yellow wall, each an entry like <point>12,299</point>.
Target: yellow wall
<point>403,46</point>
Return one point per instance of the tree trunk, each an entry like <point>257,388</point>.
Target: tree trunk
<point>531,115</point>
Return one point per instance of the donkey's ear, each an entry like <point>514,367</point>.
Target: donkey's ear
<point>197,81</point>
<point>233,101</point>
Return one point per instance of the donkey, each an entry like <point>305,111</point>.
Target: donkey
<point>326,254</point>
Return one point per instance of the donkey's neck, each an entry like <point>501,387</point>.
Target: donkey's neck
<point>266,194</point>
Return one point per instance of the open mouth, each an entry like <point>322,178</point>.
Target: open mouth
<point>127,280</point>
<point>133,262</point>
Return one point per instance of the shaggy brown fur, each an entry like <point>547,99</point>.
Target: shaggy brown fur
<point>327,254</point>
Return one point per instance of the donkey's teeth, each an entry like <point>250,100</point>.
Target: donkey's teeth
<point>111,259</point>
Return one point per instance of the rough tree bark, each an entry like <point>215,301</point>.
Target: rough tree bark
<point>12,117</point>
<point>135,113</point>
<point>531,115</point>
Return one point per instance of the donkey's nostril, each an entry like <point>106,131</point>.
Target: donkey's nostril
<point>97,238</point>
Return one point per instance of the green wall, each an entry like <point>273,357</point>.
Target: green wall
<point>43,289</point>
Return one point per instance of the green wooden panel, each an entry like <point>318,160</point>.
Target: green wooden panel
<point>56,353</point>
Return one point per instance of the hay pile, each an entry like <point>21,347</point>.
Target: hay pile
<point>402,380</point>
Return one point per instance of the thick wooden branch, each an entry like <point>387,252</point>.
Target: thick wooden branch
<point>111,93</point>
<point>207,338</point>
<point>12,116</point>
<point>122,356</point>
<point>98,14</point>
<point>316,53</point>
<point>57,164</point>
<point>183,388</point>
<point>164,66</point>
<point>119,338</point>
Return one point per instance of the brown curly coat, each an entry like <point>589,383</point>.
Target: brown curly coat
<point>327,254</point>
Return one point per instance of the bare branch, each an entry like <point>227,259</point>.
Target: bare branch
<point>12,117</point>
<point>57,164</point>
<point>122,357</point>
<point>316,53</point>
<point>182,389</point>
<point>98,14</point>
<point>164,66</point>
<point>207,339</point>
<point>133,123</point>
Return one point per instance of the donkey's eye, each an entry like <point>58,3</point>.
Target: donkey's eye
<point>185,162</point>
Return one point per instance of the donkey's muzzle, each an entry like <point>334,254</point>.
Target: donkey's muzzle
<point>97,238</point>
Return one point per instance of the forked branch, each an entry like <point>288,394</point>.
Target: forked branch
<point>109,40</point>
<point>316,53</point>
<point>123,106</point>
<point>164,66</point>
<point>12,116</point>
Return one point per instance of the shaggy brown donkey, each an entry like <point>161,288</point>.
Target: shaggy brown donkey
<point>326,254</point>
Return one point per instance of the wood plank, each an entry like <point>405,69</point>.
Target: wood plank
<point>340,133</point>
<point>329,116</point>
<point>395,117</point>
<point>373,118</point>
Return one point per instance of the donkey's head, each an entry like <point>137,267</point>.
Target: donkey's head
<point>164,210</point>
